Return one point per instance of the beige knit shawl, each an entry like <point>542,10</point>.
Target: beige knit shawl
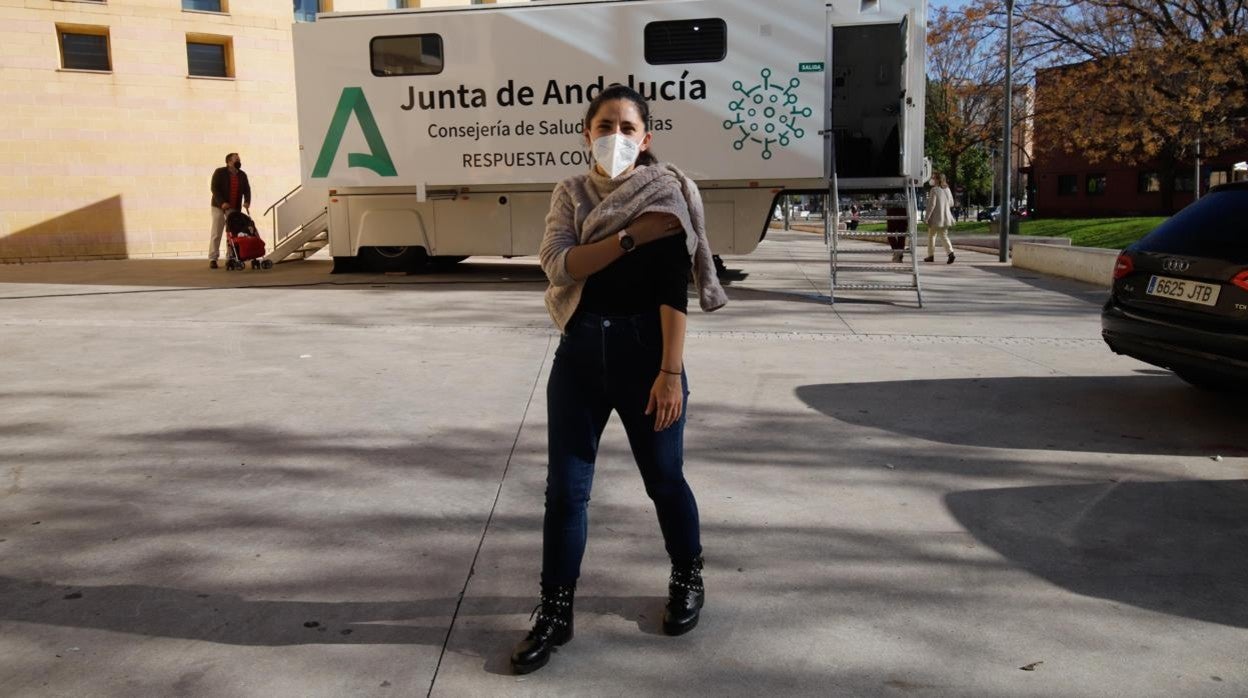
<point>590,207</point>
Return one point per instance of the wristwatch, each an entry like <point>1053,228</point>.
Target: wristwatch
<point>627,243</point>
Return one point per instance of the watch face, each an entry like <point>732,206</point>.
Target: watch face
<point>626,242</point>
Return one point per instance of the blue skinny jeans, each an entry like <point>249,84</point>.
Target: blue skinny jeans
<point>605,364</point>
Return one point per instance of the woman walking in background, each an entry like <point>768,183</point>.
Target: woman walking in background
<point>939,217</point>
<point>619,244</point>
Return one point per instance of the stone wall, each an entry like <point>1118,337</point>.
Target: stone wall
<point>117,164</point>
<point>1089,264</point>
<point>98,165</point>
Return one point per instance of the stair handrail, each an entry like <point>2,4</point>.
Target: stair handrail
<point>302,226</point>
<point>277,203</point>
<point>299,229</point>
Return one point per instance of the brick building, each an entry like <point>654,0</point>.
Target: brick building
<point>1066,185</point>
<point>117,112</point>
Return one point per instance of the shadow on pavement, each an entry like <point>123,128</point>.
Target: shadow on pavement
<point>739,293</point>
<point>233,620</point>
<point>148,275</point>
<point>1078,290</point>
<point>1140,414</point>
<point>1171,547</point>
<point>479,634</point>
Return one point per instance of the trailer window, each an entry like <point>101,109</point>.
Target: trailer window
<point>686,41</point>
<point>413,54</point>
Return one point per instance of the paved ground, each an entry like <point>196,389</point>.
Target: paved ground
<point>281,483</point>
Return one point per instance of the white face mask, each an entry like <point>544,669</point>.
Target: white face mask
<point>615,153</point>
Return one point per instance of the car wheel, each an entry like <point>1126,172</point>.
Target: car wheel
<point>1206,381</point>
<point>393,259</point>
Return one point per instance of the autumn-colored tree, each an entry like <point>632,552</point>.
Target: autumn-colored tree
<point>1141,81</point>
<point>968,168</point>
<point>965,89</point>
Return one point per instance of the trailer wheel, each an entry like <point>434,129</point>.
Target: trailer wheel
<point>447,261</point>
<point>266,264</point>
<point>392,259</point>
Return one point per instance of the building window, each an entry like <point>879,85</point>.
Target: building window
<point>414,54</point>
<point>84,48</point>
<point>1067,185</point>
<point>1095,185</point>
<point>686,41</point>
<point>209,56</point>
<point>1184,183</point>
<point>305,10</point>
<point>1150,182</point>
<point>1219,177</point>
<point>221,6</point>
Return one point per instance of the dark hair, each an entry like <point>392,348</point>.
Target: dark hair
<point>618,91</point>
<point>228,156</point>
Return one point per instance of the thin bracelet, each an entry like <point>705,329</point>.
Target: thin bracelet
<point>670,373</point>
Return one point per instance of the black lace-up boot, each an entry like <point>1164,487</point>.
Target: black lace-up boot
<point>685,596</point>
<point>553,628</point>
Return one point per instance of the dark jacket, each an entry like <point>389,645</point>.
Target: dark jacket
<point>221,188</point>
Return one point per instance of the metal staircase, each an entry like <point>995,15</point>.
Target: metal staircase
<point>304,241</point>
<point>848,270</point>
<point>309,235</point>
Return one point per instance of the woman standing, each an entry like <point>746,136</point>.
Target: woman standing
<point>939,217</point>
<point>619,244</point>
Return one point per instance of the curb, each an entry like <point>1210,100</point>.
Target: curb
<point>1092,265</point>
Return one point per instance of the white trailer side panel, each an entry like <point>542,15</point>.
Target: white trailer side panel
<point>507,105</point>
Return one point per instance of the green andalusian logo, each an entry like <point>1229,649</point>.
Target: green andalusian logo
<point>378,160</point>
<point>767,114</point>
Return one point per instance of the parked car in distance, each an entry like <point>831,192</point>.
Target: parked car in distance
<point>992,214</point>
<point>1180,295</point>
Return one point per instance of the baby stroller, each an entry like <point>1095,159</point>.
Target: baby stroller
<point>244,243</point>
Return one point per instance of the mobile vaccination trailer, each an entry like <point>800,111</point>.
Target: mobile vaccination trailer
<point>440,133</point>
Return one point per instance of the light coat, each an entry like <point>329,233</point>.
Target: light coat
<point>939,207</point>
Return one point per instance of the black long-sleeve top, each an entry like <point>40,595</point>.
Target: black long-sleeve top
<point>642,280</point>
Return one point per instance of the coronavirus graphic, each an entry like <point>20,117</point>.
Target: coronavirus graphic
<point>767,114</point>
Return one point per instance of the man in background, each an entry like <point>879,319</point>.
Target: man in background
<point>230,190</point>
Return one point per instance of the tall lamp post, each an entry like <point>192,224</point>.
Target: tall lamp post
<point>1004,242</point>
<point>1196,189</point>
<point>992,181</point>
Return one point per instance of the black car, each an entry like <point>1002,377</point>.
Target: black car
<point>1180,294</point>
<point>992,214</point>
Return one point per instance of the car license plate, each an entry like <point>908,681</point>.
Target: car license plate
<point>1184,290</point>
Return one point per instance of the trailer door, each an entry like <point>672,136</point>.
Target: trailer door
<point>904,99</point>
